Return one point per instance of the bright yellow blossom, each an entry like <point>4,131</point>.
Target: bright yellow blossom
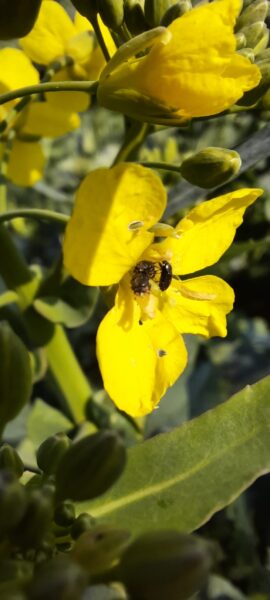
<point>139,345</point>
<point>191,70</point>
<point>26,162</point>
<point>54,36</point>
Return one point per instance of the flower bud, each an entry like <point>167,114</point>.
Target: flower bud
<point>17,18</point>
<point>51,451</point>
<point>240,40</point>
<point>35,521</point>
<point>111,12</point>
<point>165,564</point>
<point>90,466</point>
<point>83,523</point>
<point>175,11</point>
<point>58,578</point>
<point>87,8</point>
<point>12,502</point>
<point>257,11</point>
<point>64,514</point>
<point>155,10</point>
<point>97,549</point>
<point>10,460</point>
<point>15,375</point>
<point>257,36</point>
<point>211,167</point>
<point>134,16</point>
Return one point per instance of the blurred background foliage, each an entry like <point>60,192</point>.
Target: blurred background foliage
<point>217,368</point>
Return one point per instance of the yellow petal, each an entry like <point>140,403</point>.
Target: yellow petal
<point>199,305</point>
<point>207,231</point>
<point>26,163</point>
<point>50,35</point>
<point>171,354</point>
<point>197,73</point>
<point>71,101</point>
<point>44,120</point>
<point>101,244</point>
<point>127,362</point>
<point>16,71</point>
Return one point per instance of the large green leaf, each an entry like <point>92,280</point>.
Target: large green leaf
<point>179,479</point>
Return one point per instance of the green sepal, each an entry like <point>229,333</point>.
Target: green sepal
<point>11,461</point>
<point>256,11</point>
<point>51,451</point>
<point>134,16</point>
<point>87,8</point>
<point>111,12</point>
<point>90,466</point>
<point>155,10</point>
<point>17,17</point>
<point>175,11</point>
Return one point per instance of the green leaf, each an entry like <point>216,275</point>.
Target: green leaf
<point>8,298</point>
<point>44,421</point>
<point>179,479</point>
<point>74,306</point>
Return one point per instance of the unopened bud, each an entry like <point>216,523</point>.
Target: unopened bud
<point>111,12</point>
<point>17,18</point>
<point>58,578</point>
<point>87,8</point>
<point>165,564</point>
<point>64,514</point>
<point>155,10</point>
<point>15,375</point>
<point>134,16</point>
<point>10,460</point>
<point>50,452</point>
<point>97,549</point>
<point>83,523</point>
<point>241,41</point>
<point>90,466</point>
<point>211,167</point>
<point>257,11</point>
<point>12,502</point>
<point>175,11</point>
<point>35,521</point>
<point>257,36</point>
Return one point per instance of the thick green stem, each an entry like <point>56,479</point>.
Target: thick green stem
<point>68,374</point>
<point>134,138</point>
<point>99,36</point>
<point>4,168</point>
<point>52,86</point>
<point>161,166</point>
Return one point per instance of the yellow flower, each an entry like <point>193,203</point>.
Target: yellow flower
<point>54,36</point>
<point>26,162</point>
<point>191,70</point>
<point>108,240</point>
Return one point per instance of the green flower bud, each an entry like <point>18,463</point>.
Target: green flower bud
<point>51,451</point>
<point>155,10</point>
<point>248,53</point>
<point>15,375</point>
<point>211,167</point>
<point>10,460</point>
<point>240,40</point>
<point>12,502</point>
<point>58,578</point>
<point>83,523</point>
<point>257,11</point>
<point>17,18</point>
<point>111,12</point>
<point>96,550</point>
<point>64,514</point>
<point>165,564</point>
<point>90,466</point>
<point>35,522</point>
<point>175,11</point>
<point>257,36</point>
<point>134,16</point>
<point>87,8</point>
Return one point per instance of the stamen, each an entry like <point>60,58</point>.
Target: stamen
<point>161,353</point>
<point>135,225</point>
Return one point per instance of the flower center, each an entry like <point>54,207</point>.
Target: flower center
<point>146,271</point>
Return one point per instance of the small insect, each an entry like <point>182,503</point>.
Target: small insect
<point>146,270</point>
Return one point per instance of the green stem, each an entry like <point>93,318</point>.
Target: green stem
<point>68,374</point>
<point>99,36</point>
<point>163,166</point>
<point>51,86</point>
<point>134,138</point>
<point>4,168</point>
<point>34,213</point>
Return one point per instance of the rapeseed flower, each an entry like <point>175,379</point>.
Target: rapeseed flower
<point>55,36</point>
<point>192,68</point>
<point>110,239</point>
<point>26,161</point>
